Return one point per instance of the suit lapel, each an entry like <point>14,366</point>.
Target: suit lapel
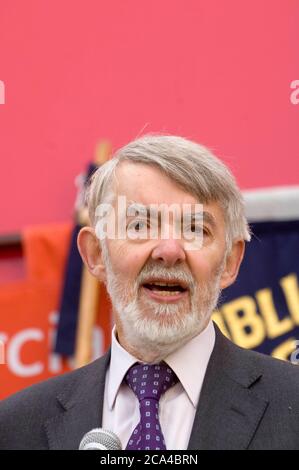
<point>81,407</point>
<point>229,411</point>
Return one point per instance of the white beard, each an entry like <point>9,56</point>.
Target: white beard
<point>155,329</point>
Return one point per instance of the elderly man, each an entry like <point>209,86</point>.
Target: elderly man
<point>167,234</point>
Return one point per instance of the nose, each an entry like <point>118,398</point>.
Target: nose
<point>169,251</point>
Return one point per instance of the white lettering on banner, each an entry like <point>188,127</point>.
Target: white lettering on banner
<point>14,353</point>
<point>2,349</point>
<point>14,344</point>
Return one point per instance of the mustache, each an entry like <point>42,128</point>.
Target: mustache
<point>177,275</point>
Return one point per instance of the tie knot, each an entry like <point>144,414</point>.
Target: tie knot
<point>150,380</point>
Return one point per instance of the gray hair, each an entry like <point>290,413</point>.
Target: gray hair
<point>191,166</point>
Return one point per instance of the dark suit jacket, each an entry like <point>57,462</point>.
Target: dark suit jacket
<point>248,401</point>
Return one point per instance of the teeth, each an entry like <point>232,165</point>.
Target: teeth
<point>166,293</point>
<point>162,283</point>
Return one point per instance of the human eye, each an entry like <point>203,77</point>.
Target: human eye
<point>196,228</point>
<point>138,229</point>
<point>137,225</point>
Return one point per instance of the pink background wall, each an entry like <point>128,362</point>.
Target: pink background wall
<point>218,72</point>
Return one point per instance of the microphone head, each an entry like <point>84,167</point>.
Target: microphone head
<point>100,439</point>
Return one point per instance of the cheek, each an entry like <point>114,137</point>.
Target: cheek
<point>126,261</point>
<point>202,273</point>
<point>204,265</point>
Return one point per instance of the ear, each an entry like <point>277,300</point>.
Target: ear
<point>91,253</point>
<point>233,262</point>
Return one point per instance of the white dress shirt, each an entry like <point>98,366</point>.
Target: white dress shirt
<point>177,406</point>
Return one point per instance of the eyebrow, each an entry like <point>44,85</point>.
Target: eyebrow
<point>209,218</point>
<point>206,216</point>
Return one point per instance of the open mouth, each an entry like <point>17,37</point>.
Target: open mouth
<point>168,290</point>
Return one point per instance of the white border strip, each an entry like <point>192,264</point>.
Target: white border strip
<point>272,204</point>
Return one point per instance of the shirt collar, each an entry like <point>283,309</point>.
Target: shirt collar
<point>120,363</point>
<point>190,362</point>
<point>189,371</point>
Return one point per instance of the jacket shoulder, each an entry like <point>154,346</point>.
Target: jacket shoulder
<point>23,414</point>
<point>277,375</point>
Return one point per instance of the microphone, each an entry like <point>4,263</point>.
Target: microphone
<point>100,439</point>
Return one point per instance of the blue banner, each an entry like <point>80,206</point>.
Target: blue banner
<point>261,310</point>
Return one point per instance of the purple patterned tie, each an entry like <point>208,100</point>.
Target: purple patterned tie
<point>149,382</point>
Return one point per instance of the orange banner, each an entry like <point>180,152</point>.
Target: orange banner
<point>29,312</point>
